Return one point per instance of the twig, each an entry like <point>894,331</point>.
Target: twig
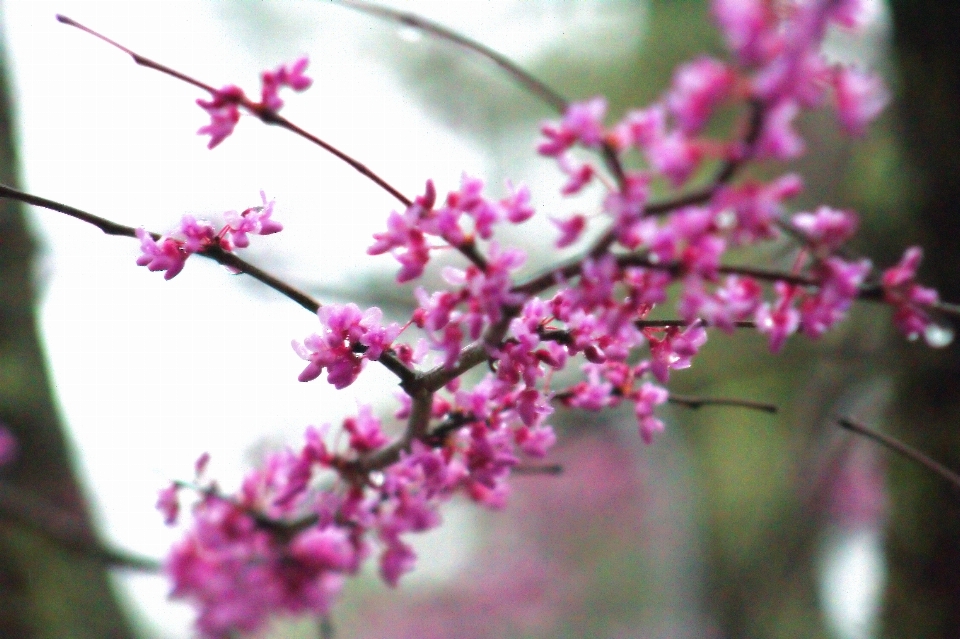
<point>535,86</point>
<point>266,115</point>
<point>897,446</point>
<point>532,84</point>
<point>538,469</point>
<point>694,402</point>
<point>215,253</point>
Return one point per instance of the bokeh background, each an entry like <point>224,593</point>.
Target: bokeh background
<point>733,524</point>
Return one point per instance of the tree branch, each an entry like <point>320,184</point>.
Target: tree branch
<point>902,449</point>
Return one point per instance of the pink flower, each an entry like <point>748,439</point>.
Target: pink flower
<point>747,26</point>
<point>290,75</point>
<point>570,230</point>
<point>168,503</point>
<point>339,347</point>
<point>164,255</point>
<point>827,228</point>
<point>583,123</point>
<point>223,112</point>
<point>256,220</point>
<point>780,320</point>
<point>366,434</point>
<point>645,400</point>
<point>860,97</point>
<point>698,87</point>
<point>908,298</point>
<point>517,205</point>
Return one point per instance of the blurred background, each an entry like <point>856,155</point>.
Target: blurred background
<point>733,524</point>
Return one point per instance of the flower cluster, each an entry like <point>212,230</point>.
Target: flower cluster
<point>170,252</point>
<point>224,104</point>
<point>308,518</point>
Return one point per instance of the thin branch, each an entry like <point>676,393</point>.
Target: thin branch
<point>694,402</point>
<point>266,115</point>
<point>214,253</point>
<point>727,171</point>
<point>64,528</point>
<point>899,447</point>
<point>530,83</point>
<point>537,469</point>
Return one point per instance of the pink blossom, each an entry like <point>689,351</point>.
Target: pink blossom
<point>675,350</point>
<point>256,220</point>
<point>290,75</point>
<point>516,206</point>
<point>839,287</point>
<point>339,347</point>
<point>909,299</point>
<point>168,503</point>
<point>570,229</point>
<point>860,97</point>
<point>223,112</point>
<point>165,254</point>
<point>582,122</point>
<point>366,433</point>
<point>698,87</point>
<point>779,320</point>
<point>827,228</point>
<point>747,26</point>
<point>645,400</point>
<point>778,139</point>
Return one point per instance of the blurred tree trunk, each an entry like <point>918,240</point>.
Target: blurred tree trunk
<point>46,590</point>
<point>923,599</point>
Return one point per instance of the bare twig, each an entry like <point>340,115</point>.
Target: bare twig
<point>694,402</point>
<point>904,450</point>
<point>530,83</point>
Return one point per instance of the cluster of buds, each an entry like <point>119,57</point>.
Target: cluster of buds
<point>170,252</point>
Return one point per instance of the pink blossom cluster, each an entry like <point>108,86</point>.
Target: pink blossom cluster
<point>308,518</point>
<point>224,104</point>
<point>170,252</point>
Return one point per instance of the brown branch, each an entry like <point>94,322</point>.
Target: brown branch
<point>902,449</point>
<point>537,469</point>
<point>266,115</point>
<point>728,170</point>
<point>530,83</point>
<point>694,402</point>
<point>215,253</point>
<point>65,529</point>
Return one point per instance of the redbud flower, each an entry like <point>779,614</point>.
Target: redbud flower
<point>163,255</point>
<point>860,98</point>
<point>698,87</point>
<point>223,112</point>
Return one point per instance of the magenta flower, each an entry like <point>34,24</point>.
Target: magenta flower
<point>164,255</point>
<point>909,299</point>
<point>860,97</point>
<point>645,400</point>
<point>290,75</point>
<point>223,112</point>
<point>698,87</point>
